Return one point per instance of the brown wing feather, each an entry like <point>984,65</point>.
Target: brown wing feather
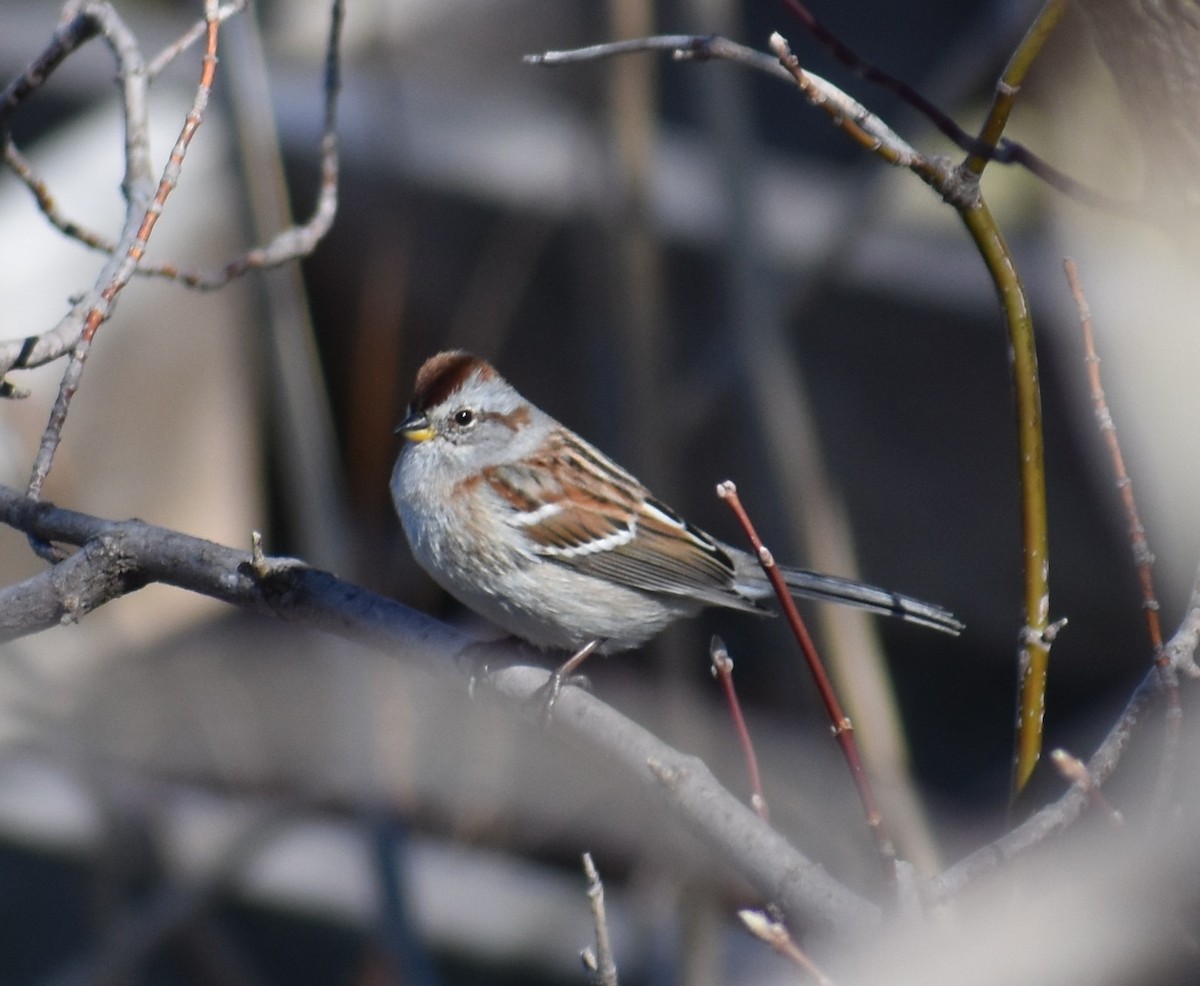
<point>610,526</point>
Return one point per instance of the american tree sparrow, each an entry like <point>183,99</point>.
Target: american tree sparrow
<point>546,537</point>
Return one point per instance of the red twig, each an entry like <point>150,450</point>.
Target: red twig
<point>1143,558</point>
<point>843,730</point>
<point>124,269</point>
<point>722,669</point>
<point>97,18</point>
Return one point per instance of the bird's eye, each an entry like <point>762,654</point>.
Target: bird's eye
<point>464,417</point>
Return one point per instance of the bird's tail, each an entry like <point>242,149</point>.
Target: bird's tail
<point>830,587</point>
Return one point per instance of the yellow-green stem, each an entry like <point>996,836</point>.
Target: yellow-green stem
<point>1035,647</point>
<point>1014,75</point>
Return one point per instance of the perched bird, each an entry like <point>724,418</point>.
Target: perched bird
<point>536,530</point>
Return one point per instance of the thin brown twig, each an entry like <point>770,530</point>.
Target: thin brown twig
<point>1143,557</point>
<point>843,729</point>
<point>124,268</point>
<point>288,245</point>
<point>722,669</point>
<point>159,62</point>
<point>296,241</point>
<point>38,187</point>
<point>47,204</point>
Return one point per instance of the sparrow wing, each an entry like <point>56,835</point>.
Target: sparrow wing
<point>578,508</point>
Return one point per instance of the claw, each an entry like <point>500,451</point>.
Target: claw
<point>565,674</point>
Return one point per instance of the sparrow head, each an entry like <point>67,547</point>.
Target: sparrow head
<point>464,409</point>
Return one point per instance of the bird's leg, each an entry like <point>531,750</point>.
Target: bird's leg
<point>565,674</point>
<point>572,664</point>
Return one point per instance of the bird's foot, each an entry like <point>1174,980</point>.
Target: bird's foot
<point>564,674</point>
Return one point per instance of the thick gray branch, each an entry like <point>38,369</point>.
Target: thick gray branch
<point>117,557</point>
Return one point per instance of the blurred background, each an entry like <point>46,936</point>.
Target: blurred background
<point>691,267</point>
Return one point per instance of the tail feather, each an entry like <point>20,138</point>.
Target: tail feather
<point>829,587</point>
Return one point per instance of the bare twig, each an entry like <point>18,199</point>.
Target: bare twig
<point>774,933</point>
<point>1075,770</point>
<point>1054,817</point>
<point>601,965</point>
<point>863,126</point>
<point>296,241</point>
<point>843,729</point>
<point>67,38</point>
<point>1180,650</point>
<point>1143,557</point>
<point>41,192</point>
<point>684,47</point>
<point>690,47</point>
<point>93,19</point>
<point>722,669</point>
<point>159,62</point>
<point>141,218</point>
<point>959,186</point>
<point>46,202</point>
<point>1004,150</point>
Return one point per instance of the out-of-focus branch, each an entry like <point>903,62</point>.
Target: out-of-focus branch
<point>777,936</point>
<point>601,965</point>
<point>1053,817</point>
<point>1143,557</point>
<point>1180,650</point>
<point>99,19</point>
<point>287,245</point>
<point>989,146</point>
<point>189,37</point>
<point>1149,47</point>
<point>120,556</point>
<point>67,37</point>
<point>141,217</point>
<point>93,19</point>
